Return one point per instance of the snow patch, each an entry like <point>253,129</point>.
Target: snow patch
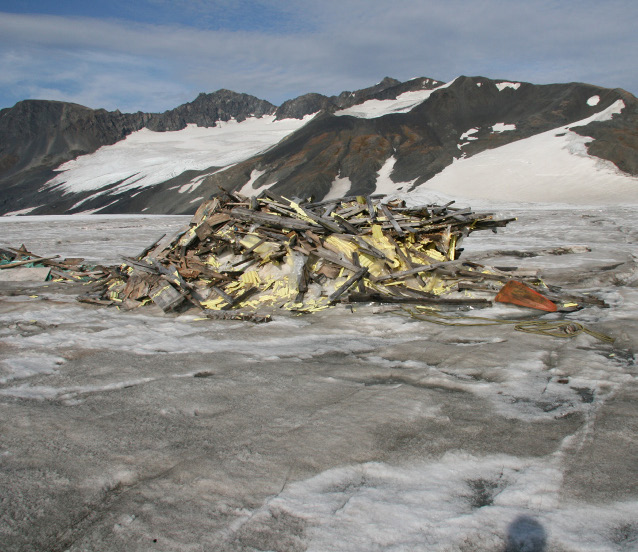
<point>385,184</point>
<point>21,212</point>
<point>187,188</point>
<point>503,127</point>
<point>605,115</point>
<point>339,188</point>
<point>403,103</point>
<point>593,100</point>
<point>503,85</point>
<point>202,177</point>
<point>93,211</point>
<point>467,135</point>
<point>247,189</point>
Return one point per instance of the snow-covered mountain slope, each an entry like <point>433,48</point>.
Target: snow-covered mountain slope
<point>472,137</point>
<point>146,159</point>
<point>38,138</point>
<point>550,167</point>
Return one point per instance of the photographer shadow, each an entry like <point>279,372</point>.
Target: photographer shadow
<point>525,534</point>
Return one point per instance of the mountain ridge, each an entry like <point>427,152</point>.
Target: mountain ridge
<point>428,136</point>
<point>411,130</point>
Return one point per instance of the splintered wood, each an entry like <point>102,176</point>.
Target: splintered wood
<point>267,252</point>
<point>26,266</point>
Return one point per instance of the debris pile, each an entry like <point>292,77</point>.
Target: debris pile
<point>252,255</point>
<point>27,266</point>
<point>242,258</point>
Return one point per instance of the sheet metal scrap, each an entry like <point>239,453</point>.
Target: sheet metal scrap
<point>267,252</point>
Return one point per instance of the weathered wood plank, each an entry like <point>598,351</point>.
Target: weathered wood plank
<point>240,298</point>
<point>390,217</point>
<point>348,284</point>
<point>344,199</point>
<point>371,209</point>
<point>234,315</point>
<point>222,294</point>
<point>415,270</point>
<point>34,260</point>
<point>334,258</point>
<point>343,222</point>
<point>439,301</point>
<point>355,260</point>
<point>273,220</point>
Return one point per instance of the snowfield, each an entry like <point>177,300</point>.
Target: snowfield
<point>403,103</point>
<point>146,158</point>
<point>339,431</point>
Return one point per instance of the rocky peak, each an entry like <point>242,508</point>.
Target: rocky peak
<point>347,99</point>
<point>206,109</point>
<point>298,107</point>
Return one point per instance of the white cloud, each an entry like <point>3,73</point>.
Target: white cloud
<point>323,46</point>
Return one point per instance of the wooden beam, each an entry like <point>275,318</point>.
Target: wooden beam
<point>273,220</point>
<point>348,283</point>
<point>334,258</point>
<point>392,220</point>
<point>439,301</point>
<point>34,260</point>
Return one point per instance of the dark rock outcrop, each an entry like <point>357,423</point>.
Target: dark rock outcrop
<point>299,107</point>
<point>616,140</point>
<point>41,132</point>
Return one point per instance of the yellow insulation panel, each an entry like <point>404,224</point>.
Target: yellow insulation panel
<point>343,245</point>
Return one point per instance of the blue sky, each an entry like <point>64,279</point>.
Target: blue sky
<point>152,55</point>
